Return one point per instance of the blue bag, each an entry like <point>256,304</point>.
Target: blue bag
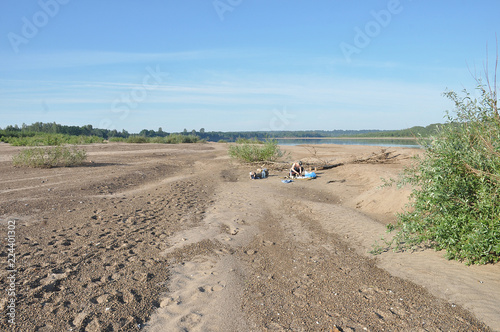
<point>311,175</point>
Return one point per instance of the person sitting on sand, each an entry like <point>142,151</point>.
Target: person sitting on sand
<point>260,174</point>
<point>297,169</point>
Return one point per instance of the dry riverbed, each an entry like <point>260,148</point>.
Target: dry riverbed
<point>178,238</point>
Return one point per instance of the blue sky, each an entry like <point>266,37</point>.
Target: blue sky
<point>234,65</point>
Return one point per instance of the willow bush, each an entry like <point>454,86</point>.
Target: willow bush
<point>455,201</point>
<point>248,151</point>
<point>170,139</point>
<point>46,157</point>
<point>46,139</point>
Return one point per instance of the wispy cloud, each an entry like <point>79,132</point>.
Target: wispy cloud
<point>258,90</point>
<point>71,59</point>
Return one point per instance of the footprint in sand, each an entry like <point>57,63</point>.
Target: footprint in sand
<point>190,320</point>
<point>193,286</point>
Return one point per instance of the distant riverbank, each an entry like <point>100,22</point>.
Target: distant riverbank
<point>372,141</point>
<point>349,138</point>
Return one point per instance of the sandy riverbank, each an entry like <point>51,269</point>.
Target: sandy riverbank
<point>177,238</point>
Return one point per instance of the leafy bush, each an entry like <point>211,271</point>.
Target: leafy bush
<point>137,139</point>
<point>84,139</point>
<point>43,139</point>
<point>50,157</point>
<point>156,139</point>
<point>178,138</point>
<point>241,140</point>
<point>170,139</point>
<point>117,139</point>
<point>455,203</point>
<point>252,152</point>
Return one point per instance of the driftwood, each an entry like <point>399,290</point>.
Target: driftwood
<point>328,166</point>
<point>384,157</point>
<point>332,181</point>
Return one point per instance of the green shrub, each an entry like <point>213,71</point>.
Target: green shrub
<point>137,139</point>
<point>44,139</point>
<point>241,140</point>
<point>174,139</point>
<point>117,139</point>
<point>252,152</point>
<point>170,139</point>
<point>455,202</point>
<point>178,138</point>
<point>83,139</point>
<point>156,139</point>
<point>50,157</point>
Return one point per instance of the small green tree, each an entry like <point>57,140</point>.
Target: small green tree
<point>455,202</point>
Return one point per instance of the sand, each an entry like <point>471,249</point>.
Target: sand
<point>178,238</point>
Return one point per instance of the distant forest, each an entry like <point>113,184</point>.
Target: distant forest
<point>416,131</point>
<point>214,136</point>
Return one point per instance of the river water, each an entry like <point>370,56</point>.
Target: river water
<point>409,143</point>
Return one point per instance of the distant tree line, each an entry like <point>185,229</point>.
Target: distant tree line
<point>417,131</point>
<point>232,136</point>
<point>214,136</point>
<point>54,128</point>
